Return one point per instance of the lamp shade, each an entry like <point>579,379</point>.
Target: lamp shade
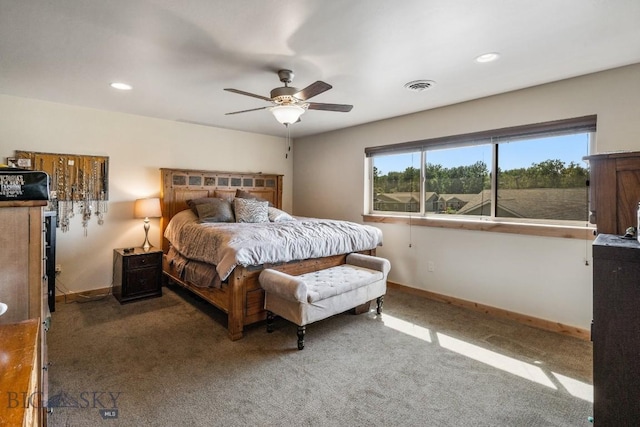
<point>287,114</point>
<point>147,208</point>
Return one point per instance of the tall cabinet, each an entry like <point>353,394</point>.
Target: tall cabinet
<point>616,331</point>
<point>23,282</point>
<point>50,220</point>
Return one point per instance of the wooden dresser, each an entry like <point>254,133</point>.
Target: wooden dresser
<point>20,368</point>
<point>23,287</point>
<point>615,191</point>
<point>616,331</point>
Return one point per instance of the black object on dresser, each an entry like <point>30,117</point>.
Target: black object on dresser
<point>137,273</point>
<point>616,331</point>
<point>50,223</point>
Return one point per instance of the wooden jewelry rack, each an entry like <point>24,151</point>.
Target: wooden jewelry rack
<point>79,184</point>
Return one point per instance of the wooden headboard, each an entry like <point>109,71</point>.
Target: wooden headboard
<point>180,185</point>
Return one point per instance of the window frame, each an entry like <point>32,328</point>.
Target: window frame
<point>539,227</point>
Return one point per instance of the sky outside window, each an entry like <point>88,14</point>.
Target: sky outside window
<point>566,148</point>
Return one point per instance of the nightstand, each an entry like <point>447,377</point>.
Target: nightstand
<point>137,274</point>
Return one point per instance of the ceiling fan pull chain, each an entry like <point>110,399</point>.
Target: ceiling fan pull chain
<point>286,155</point>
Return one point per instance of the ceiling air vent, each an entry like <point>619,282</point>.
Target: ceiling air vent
<point>420,85</point>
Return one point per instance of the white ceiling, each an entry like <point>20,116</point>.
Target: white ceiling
<point>179,55</point>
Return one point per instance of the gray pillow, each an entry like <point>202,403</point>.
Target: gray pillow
<point>192,203</point>
<point>276,215</point>
<point>215,210</point>
<point>251,210</point>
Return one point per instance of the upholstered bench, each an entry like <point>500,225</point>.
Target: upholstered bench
<point>320,294</point>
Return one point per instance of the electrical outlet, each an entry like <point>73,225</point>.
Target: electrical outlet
<point>58,268</point>
<point>431,267</point>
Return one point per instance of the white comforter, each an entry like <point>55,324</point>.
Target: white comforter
<point>228,245</point>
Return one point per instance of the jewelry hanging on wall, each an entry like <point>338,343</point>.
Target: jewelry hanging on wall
<point>78,183</point>
<point>86,216</point>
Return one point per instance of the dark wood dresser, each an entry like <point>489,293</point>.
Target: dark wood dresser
<point>616,331</point>
<point>137,274</point>
<point>615,191</point>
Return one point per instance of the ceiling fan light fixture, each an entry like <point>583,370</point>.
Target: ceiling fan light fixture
<point>289,103</point>
<point>287,114</point>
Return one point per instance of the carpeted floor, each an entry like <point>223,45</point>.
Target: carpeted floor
<point>168,362</point>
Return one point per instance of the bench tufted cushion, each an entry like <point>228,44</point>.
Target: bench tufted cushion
<point>337,280</point>
<point>317,295</point>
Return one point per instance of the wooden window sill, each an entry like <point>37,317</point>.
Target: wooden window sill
<point>545,230</point>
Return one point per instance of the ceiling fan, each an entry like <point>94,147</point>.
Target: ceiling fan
<point>289,103</point>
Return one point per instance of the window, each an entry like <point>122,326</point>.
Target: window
<point>544,178</point>
<point>456,176</point>
<point>531,173</point>
<point>396,186</point>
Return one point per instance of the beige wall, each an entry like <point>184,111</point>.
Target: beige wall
<point>536,276</point>
<point>137,147</point>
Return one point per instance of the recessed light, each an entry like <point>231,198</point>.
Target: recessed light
<point>121,86</point>
<point>488,57</point>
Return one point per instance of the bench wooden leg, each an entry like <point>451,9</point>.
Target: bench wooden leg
<point>301,332</point>
<point>380,301</point>
<point>270,317</point>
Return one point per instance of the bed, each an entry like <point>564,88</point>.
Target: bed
<point>231,282</point>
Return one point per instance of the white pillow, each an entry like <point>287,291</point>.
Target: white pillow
<point>276,215</point>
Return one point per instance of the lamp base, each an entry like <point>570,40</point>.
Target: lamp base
<point>146,245</point>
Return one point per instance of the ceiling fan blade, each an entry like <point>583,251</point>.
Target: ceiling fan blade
<point>241,92</point>
<point>312,90</point>
<point>343,108</point>
<point>245,111</point>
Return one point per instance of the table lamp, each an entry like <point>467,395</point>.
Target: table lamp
<point>147,208</point>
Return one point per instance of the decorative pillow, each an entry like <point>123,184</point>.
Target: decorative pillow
<point>217,210</point>
<point>246,195</point>
<point>224,194</point>
<point>195,202</point>
<point>251,210</point>
<point>276,215</point>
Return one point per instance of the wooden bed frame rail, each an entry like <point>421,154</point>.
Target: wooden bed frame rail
<point>242,298</point>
